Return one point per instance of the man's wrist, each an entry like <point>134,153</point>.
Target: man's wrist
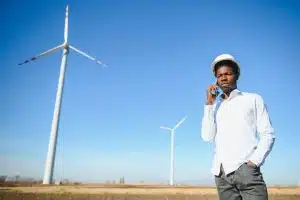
<point>252,164</point>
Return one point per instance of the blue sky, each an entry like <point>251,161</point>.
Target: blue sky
<point>159,55</point>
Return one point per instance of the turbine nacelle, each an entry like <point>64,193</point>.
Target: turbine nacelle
<point>65,45</point>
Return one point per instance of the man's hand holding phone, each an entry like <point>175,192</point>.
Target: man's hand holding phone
<point>211,94</point>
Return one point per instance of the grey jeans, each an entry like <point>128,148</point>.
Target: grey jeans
<point>246,183</point>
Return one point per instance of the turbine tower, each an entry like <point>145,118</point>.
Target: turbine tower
<point>172,130</point>
<point>49,165</point>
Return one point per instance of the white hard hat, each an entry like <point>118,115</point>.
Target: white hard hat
<point>224,57</point>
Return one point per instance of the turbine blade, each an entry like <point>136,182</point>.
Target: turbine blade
<point>86,55</point>
<point>42,54</point>
<point>180,122</point>
<point>66,25</point>
<point>166,128</point>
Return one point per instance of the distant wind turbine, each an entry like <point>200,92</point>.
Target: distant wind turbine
<point>49,165</point>
<point>172,130</point>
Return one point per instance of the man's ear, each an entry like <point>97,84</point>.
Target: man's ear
<point>237,77</point>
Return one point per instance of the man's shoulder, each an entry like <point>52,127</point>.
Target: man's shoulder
<point>253,96</point>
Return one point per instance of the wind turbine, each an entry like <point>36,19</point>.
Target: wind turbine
<point>172,130</point>
<point>49,165</point>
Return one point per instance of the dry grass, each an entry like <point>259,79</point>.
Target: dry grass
<point>128,192</point>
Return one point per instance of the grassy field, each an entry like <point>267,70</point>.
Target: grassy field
<point>128,192</point>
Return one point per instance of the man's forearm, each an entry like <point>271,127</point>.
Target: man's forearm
<point>263,149</point>
<point>208,128</point>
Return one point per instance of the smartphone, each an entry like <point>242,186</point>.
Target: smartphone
<point>217,91</point>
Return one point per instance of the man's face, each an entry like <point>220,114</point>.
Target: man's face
<point>226,78</point>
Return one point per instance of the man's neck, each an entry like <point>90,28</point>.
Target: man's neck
<point>227,93</point>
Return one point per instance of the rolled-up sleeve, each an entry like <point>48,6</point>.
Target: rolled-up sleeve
<point>208,128</point>
<point>265,131</point>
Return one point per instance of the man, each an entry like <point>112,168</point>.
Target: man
<point>232,122</point>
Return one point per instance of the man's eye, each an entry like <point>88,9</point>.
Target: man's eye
<point>225,74</point>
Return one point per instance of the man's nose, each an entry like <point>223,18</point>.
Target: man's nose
<point>223,78</point>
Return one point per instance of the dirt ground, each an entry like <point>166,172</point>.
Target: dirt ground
<point>95,192</point>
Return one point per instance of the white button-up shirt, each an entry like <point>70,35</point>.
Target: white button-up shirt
<point>233,124</point>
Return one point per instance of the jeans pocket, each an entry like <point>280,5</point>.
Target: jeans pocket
<point>254,169</point>
<point>249,174</point>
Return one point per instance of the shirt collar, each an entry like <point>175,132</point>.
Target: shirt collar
<point>233,94</point>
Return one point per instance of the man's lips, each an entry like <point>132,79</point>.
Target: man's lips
<point>225,84</point>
